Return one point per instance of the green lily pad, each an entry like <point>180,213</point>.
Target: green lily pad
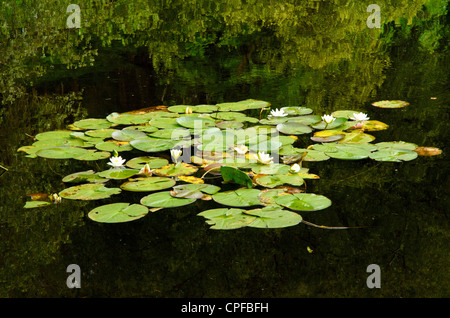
<point>205,108</point>
<point>128,135</point>
<point>195,122</point>
<point>100,133</point>
<point>293,128</point>
<point>238,198</point>
<point>89,176</point>
<point>92,123</point>
<point>227,124</point>
<point>172,133</point>
<point>396,145</point>
<point>227,219</point>
<point>62,152</point>
<point>118,213</point>
<point>235,107</point>
<point>272,181</point>
<point>164,200</point>
<point>36,204</point>
<point>336,123</point>
<point>56,134</point>
<point>89,191</point>
<point>178,169</point>
<point>357,137</point>
<point>297,110</point>
<point>147,128</point>
<point>305,120</point>
<point>153,144</point>
<point>127,119</point>
<point>114,145</point>
<point>304,201</point>
<point>50,143</point>
<point>276,168</point>
<point>92,155</point>
<point>118,173</point>
<point>165,123</point>
<point>148,184</point>
<point>393,155</point>
<point>273,120</point>
<point>140,162</point>
<point>273,217</point>
<point>194,190</point>
<point>390,104</point>
<point>231,174</point>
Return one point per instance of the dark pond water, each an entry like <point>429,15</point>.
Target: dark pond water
<point>319,54</point>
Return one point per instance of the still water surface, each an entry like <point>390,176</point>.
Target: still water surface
<point>319,54</point>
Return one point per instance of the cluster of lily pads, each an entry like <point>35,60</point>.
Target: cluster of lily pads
<point>167,153</point>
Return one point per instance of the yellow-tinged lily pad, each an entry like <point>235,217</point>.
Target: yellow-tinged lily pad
<point>178,169</point>
<point>89,191</point>
<point>390,104</point>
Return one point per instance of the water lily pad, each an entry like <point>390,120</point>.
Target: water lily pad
<point>232,116</point>
<point>236,107</point>
<point>227,124</point>
<point>238,198</point>
<point>148,184</point>
<point>390,104</point>
<point>92,155</point>
<point>293,128</point>
<point>297,110</point>
<point>273,217</point>
<point>118,173</point>
<point>374,125</point>
<point>428,151</point>
<point>305,120</point>
<point>227,219</point>
<point>62,152</point>
<point>393,155</point>
<point>195,122</point>
<point>89,176</point>
<point>273,120</point>
<point>143,127</point>
<point>140,162</point>
<point>178,169</point>
<point>100,133</point>
<point>193,191</point>
<point>164,200</point>
<point>114,145</point>
<point>231,174</point>
<point>394,145</point>
<point>272,181</point>
<point>344,113</point>
<point>118,213</point>
<point>357,137</point>
<point>165,123</point>
<point>153,144</point>
<point>172,133</point>
<point>92,123</point>
<point>127,118</point>
<point>336,123</point>
<point>89,191</point>
<point>36,204</point>
<point>276,168</point>
<point>128,135</point>
<point>304,201</point>
<point>55,134</point>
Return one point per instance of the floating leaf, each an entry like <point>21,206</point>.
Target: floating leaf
<point>393,155</point>
<point>153,145</point>
<point>118,173</point>
<point>118,213</point>
<point>230,174</point>
<point>191,179</point>
<point>374,125</point>
<point>128,135</point>
<point>127,118</point>
<point>276,168</point>
<point>297,110</point>
<point>164,200</point>
<point>238,198</point>
<point>273,217</point>
<point>336,123</point>
<point>100,133</point>
<point>293,128</point>
<point>89,191</point>
<point>304,201</point>
<point>36,204</point>
<point>92,155</point>
<point>92,123</point>
<point>173,133</point>
<point>193,191</point>
<point>227,219</point>
<point>84,176</point>
<point>140,162</point>
<point>227,124</point>
<point>114,145</point>
<point>195,122</point>
<point>272,181</point>
<point>396,145</point>
<point>62,152</point>
<point>148,184</point>
<point>390,104</point>
<point>428,151</point>
<point>178,169</point>
<point>56,134</point>
<point>305,120</point>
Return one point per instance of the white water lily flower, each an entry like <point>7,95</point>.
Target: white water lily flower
<point>295,167</point>
<point>328,119</point>
<point>264,158</point>
<point>359,117</point>
<point>145,170</point>
<point>175,153</point>
<point>56,198</point>
<point>188,110</point>
<point>241,149</point>
<point>116,161</point>
<point>278,113</point>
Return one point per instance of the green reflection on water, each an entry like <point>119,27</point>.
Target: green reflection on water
<point>315,53</point>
